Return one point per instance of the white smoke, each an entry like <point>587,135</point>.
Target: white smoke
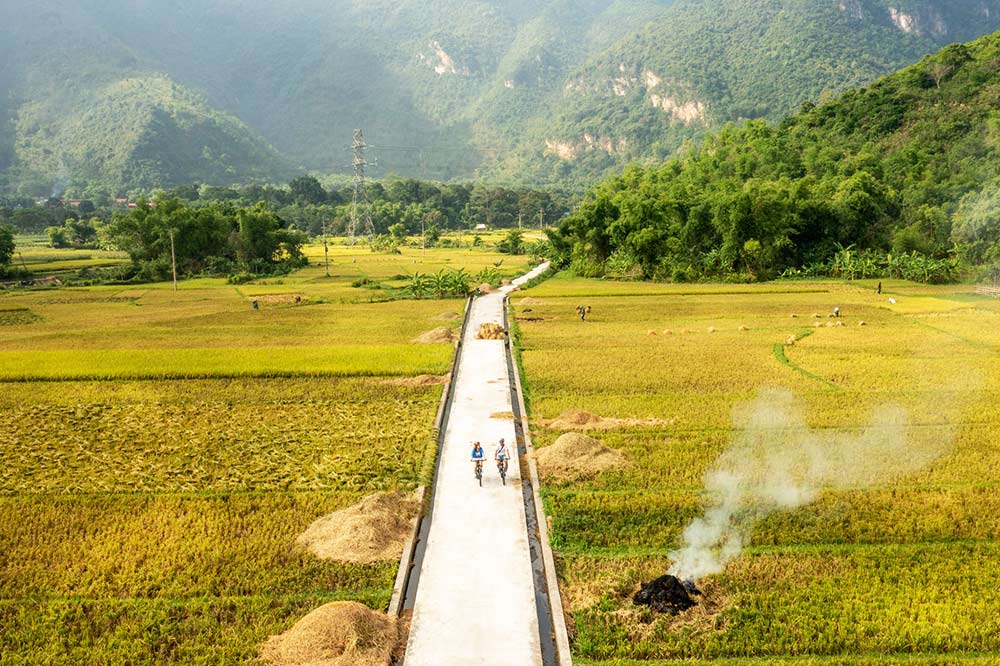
<point>778,463</point>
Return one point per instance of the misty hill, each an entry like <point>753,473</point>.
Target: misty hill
<point>902,174</point>
<point>136,94</point>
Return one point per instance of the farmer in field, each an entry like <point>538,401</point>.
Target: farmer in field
<point>836,311</point>
<point>583,310</point>
<point>478,455</point>
<point>256,305</point>
<point>502,455</point>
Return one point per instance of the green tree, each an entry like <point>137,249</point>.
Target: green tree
<point>307,190</point>
<point>7,244</point>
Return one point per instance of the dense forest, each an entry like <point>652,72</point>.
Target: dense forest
<point>900,178</point>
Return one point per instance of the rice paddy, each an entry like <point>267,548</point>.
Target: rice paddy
<point>163,450</point>
<point>898,570</point>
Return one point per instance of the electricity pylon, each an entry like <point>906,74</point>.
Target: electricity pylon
<point>361,210</point>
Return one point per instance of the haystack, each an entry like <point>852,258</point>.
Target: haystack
<point>490,331</point>
<point>574,419</point>
<point>439,335</point>
<point>448,316</point>
<point>342,633</point>
<point>575,456</point>
<point>373,530</point>
<point>419,381</point>
<point>528,300</point>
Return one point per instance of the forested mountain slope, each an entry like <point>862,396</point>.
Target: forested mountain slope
<point>137,93</point>
<point>730,60</point>
<point>909,165</point>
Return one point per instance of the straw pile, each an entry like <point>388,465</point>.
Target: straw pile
<point>373,530</point>
<point>342,633</point>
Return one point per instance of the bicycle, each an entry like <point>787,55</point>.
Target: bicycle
<point>502,468</point>
<point>479,472</point>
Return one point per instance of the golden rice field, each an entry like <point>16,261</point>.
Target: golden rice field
<point>162,451</point>
<point>900,570</point>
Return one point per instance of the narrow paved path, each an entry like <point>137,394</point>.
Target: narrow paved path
<point>475,602</point>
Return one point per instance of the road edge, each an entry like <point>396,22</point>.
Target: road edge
<point>406,561</point>
<point>563,655</point>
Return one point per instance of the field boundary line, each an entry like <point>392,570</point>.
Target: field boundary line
<point>564,656</point>
<point>410,559</point>
<point>782,358</point>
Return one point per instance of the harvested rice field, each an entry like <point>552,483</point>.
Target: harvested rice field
<point>830,484</point>
<point>164,452</point>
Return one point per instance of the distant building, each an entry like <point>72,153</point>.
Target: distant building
<point>481,227</point>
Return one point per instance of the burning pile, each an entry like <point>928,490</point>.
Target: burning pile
<point>667,594</point>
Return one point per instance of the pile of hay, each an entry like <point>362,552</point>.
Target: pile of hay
<point>575,456</point>
<point>419,381</point>
<point>580,421</point>
<point>279,298</point>
<point>373,530</point>
<point>490,332</point>
<point>439,335</point>
<point>528,300</point>
<point>448,316</point>
<point>342,633</point>
<point>575,419</point>
<point>485,288</point>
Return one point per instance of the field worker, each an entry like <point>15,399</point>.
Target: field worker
<point>256,305</point>
<point>478,455</point>
<point>502,455</point>
<point>836,311</point>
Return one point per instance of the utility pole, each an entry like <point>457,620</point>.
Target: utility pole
<point>173,258</point>
<point>361,209</point>
<point>541,216</point>
<point>520,219</point>
<point>326,249</point>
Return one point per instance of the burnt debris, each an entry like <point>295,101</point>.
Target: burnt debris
<point>667,594</point>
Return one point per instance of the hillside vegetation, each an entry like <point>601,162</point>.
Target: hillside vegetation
<point>546,92</point>
<point>907,166</point>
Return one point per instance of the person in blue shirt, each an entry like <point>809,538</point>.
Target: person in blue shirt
<point>478,455</point>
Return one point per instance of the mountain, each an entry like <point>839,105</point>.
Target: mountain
<point>83,107</point>
<point>708,63</point>
<point>136,93</point>
<point>905,169</point>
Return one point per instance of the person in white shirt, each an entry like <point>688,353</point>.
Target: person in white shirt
<point>502,455</point>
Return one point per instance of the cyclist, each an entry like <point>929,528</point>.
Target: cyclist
<point>478,455</point>
<point>502,455</point>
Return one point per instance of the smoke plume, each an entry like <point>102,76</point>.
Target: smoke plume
<point>777,463</point>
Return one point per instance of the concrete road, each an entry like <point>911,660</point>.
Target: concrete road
<point>475,602</point>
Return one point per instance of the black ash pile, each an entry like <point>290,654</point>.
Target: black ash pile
<point>667,594</point>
